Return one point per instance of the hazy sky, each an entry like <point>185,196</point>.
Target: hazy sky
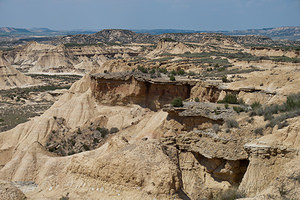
<point>149,14</point>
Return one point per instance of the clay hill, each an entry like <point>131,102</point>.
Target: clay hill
<point>10,77</point>
<point>212,119</point>
<point>46,58</point>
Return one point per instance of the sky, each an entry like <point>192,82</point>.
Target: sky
<point>201,15</point>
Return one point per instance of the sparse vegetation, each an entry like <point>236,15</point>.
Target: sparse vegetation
<point>163,70</point>
<point>142,69</point>
<point>180,72</point>
<point>167,40</point>
<point>259,131</point>
<point>177,102</point>
<point>65,197</point>
<point>86,147</point>
<point>224,79</point>
<point>231,194</point>
<point>230,99</point>
<point>216,128</point>
<point>226,105</point>
<point>232,123</point>
<point>113,130</point>
<point>172,78</point>
<point>239,109</point>
<point>103,131</point>
<point>255,105</point>
<point>289,109</point>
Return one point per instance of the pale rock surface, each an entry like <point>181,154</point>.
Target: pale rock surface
<point>10,192</point>
<point>11,78</point>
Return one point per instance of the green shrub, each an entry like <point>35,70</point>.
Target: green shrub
<point>232,123</point>
<point>177,102</point>
<point>113,130</point>
<point>142,69</point>
<point>1,120</point>
<point>293,102</point>
<point>180,72</point>
<point>167,40</point>
<point>255,105</point>
<point>229,98</point>
<point>173,72</point>
<point>163,70</point>
<point>79,131</point>
<point>197,99</point>
<point>172,78</point>
<point>86,147</point>
<point>103,131</point>
<point>224,79</point>
<point>226,105</point>
<point>217,112</point>
<point>191,73</point>
<point>268,116</point>
<point>152,71</point>
<point>258,131</point>
<point>230,194</point>
<point>238,109</point>
<point>216,128</point>
<point>64,197</point>
<point>158,74</point>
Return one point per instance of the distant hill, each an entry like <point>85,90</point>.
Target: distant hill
<point>11,31</point>
<point>111,36</point>
<point>162,31</point>
<point>280,33</point>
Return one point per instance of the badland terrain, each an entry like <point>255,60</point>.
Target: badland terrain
<point>124,115</point>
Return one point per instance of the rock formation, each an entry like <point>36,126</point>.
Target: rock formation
<point>10,77</point>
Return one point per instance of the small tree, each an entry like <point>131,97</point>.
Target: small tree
<point>197,99</point>
<point>172,78</point>
<point>229,98</point>
<point>224,79</point>
<point>180,72</point>
<point>177,102</point>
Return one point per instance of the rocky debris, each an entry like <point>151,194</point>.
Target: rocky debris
<point>63,141</point>
<point>213,111</point>
<point>10,192</point>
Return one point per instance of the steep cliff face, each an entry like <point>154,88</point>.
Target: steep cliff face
<point>136,88</point>
<point>273,172</point>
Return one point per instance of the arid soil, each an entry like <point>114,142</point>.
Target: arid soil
<point>208,119</point>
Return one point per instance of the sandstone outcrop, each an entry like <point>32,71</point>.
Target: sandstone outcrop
<point>10,192</point>
<point>10,77</point>
<point>138,88</point>
<point>272,172</point>
<point>262,51</point>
